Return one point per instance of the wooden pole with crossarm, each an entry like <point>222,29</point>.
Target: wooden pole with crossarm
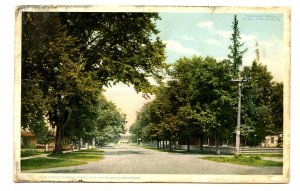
<point>238,126</point>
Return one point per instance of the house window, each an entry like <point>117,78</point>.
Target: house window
<point>272,140</point>
<point>205,141</point>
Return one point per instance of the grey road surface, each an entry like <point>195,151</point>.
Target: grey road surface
<point>126,159</point>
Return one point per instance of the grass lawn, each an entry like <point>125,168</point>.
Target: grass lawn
<point>78,155</point>
<point>43,163</point>
<point>64,160</point>
<point>245,160</point>
<point>265,155</point>
<point>92,150</point>
<point>27,153</point>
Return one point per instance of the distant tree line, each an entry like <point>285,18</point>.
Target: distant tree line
<point>201,101</point>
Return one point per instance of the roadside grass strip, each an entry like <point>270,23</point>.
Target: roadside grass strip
<point>63,160</point>
<point>92,150</point>
<point>28,153</point>
<point>44,163</point>
<point>84,156</point>
<point>246,160</point>
<point>277,155</point>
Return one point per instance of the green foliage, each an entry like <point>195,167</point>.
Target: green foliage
<point>194,103</point>
<point>236,54</point>
<point>111,123</point>
<point>200,99</point>
<point>31,152</point>
<point>255,157</point>
<point>67,58</point>
<point>119,46</point>
<point>208,98</point>
<point>44,136</point>
<point>262,111</point>
<point>100,120</point>
<point>276,104</point>
<point>145,126</point>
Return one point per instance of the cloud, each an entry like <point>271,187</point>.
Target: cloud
<point>205,24</point>
<point>248,38</point>
<point>212,41</point>
<point>268,43</point>
<point>224,34</point>
<point>177,47</point>
<point>188,38</point>
<point>221,58</point>
<point>271,54</point>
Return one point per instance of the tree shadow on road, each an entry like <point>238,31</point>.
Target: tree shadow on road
<point>123,152</point>
<point>192,152</point>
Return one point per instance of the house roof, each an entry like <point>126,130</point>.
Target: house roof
<point>27,134</point>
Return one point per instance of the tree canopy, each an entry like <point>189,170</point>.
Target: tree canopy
<point>200,99</point>
<point>67,59</point>
<point>197,101</point>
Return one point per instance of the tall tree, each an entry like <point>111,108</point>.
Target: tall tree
<point>236,54</point>
<point>67,58</point>
<point>195,102</point>
<point>277,107</point>
<point>263,104</point>
<point>110,124</point>
<point>52,69</point>
<point>208,94</point>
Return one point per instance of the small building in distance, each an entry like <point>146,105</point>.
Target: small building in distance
<point>272,141</point>
<point>124,139</point>
<point>28,140</point>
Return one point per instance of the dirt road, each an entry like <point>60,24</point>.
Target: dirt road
<point>126,159</point>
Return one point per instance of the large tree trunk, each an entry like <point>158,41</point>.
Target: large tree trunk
<point>217,143</point>
<point>170,144</point>
<point>201,142</point>
<point>79,144</point>
<point>157,143</point>
<point>73,145</point>
<point>58,140</point>
<point>62,123</point>
<point>188,144</point>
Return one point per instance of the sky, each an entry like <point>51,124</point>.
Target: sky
<point>208,34</point>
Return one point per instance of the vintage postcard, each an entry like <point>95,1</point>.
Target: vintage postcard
<point>152,94</point>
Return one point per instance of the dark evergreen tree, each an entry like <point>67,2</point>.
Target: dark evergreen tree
<point>236,54</point>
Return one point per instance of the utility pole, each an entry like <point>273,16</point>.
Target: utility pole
<point>257,52</point>
<point>238,126</point>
